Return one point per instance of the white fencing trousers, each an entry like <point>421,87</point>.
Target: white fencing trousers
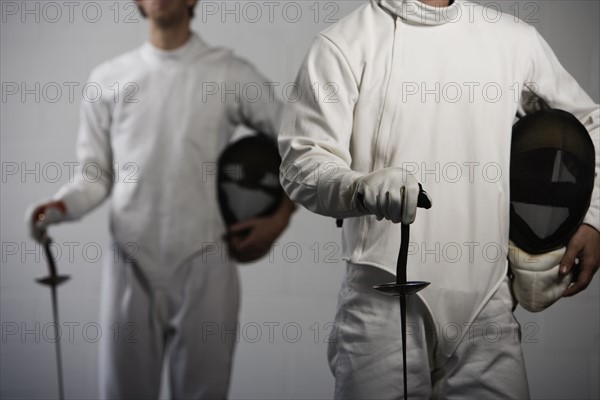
<point>366,357</point>
<point>194,312</point>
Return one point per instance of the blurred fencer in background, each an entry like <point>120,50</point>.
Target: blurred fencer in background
<point>163,282</point>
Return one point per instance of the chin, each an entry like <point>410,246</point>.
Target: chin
<point>167,14</point>
<point>166,20</point>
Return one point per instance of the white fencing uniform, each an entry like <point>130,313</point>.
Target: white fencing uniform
<point>434,91</point>
<point>162,119</point>
<point>366,353</point>
<point>194,311</point>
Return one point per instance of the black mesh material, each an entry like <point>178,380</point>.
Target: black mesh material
<point>248,179</point>
<point>551,179</point>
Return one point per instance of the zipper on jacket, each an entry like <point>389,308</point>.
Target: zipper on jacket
<point>388,109</point>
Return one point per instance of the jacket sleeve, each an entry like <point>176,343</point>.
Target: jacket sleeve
<point>316,133</point>
<point>255,103</point>
<point>93,178</point>
<point>548,78</point>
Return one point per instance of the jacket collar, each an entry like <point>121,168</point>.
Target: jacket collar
<point>189,50</point>
<point>417,12</point>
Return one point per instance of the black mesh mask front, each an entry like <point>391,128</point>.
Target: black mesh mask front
<point>248,179</point>
<point>551,179</point>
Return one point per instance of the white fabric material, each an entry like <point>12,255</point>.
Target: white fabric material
<point>193,313</point>
<point>390,193</point>
<point>175,113</point>
<point>163,137</point>
<point>365,354</point>
<point>437,98</point>
<point>536,281</point>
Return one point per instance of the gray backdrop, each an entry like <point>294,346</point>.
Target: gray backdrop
<point>288,301</point>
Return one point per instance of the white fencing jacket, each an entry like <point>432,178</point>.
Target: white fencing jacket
<point>162,121</point>
<point>436,91</point>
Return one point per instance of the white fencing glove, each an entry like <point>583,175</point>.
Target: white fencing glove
<point>391,193</point>
<point>39,216</point>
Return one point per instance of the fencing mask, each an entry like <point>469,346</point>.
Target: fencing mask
<point>551,181</point>
<point>248,180</point>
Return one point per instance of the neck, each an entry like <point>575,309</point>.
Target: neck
<point>436,3</point>
<point>169,37</point>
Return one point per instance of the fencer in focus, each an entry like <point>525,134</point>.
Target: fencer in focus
<point>164,286</point>
<point>426,91</point>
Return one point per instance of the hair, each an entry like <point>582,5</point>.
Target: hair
<point>190,10</point>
